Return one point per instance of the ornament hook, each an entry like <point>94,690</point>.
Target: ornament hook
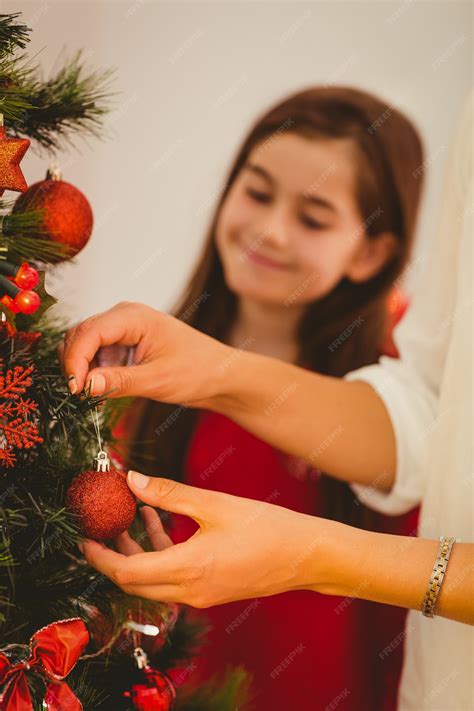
<point>140,657</point>
<point>101,460</point>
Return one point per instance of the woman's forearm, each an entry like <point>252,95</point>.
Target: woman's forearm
<point>341,427</point>
<point>394,570</point>
<point>352,438</point>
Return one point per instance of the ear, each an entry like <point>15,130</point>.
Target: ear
<point>371,256</point>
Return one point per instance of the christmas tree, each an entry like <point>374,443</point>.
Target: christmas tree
<point>69,638</point>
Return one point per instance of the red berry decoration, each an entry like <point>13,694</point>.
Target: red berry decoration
<point>27,302</point>
<point>26,277</point>
<point>16,299</point>
<point>67,215</point>
<point>104,504</point>
<point>10,304</point>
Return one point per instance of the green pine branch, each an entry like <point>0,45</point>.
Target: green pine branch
<point>49,112</point>
<point>13,34</point>
<point>15,81</point>
<point>72,101</point>
<point>44,578</point>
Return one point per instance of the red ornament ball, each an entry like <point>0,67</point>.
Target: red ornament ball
<point>67,215</point>
<point>157,693</point>
<point>104,504</point>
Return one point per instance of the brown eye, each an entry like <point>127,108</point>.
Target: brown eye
<point>312,224</point>
<point>257,195</point>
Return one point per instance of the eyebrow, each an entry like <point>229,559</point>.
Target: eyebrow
<point>315,199</point>
<point>321,202</point>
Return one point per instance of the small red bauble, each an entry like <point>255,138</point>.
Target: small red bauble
<point>104,504</point>
<point>157,693</point>
<point>67,214</point>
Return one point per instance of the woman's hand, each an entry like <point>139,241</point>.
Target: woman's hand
<point>172,362</point>
<point>243,548</point>
<point>249,549</point>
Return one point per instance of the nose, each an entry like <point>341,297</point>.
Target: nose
<point>275,228</point>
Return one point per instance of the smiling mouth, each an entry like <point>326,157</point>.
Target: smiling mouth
<point>260,260</point>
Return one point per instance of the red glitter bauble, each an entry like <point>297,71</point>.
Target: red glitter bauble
<point>157,693</point>
<point>104,504</point>
<point>67,214</point>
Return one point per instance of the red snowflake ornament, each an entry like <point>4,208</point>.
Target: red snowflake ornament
<point>17,430</point>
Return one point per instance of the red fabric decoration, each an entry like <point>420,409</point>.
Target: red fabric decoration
<point>54,651</point>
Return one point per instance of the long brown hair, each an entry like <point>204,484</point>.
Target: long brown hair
<point>388,189</point>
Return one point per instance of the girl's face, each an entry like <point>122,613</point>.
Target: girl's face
<point>289,229</point>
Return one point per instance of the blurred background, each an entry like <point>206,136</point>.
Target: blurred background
<point>190,79</point>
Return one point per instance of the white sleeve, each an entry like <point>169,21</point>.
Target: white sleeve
<point>412,409</point>
<point>410,387</point>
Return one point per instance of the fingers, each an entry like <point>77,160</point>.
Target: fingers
<point>201,505</point>
<point>163,593</point>
<point>114,355</point>
<point>118,325</point>
<point>154,528</point>
<point>126,545</point>
<point>134,381</point>
<point>170,566</point>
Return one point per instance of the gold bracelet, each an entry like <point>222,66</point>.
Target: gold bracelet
<point>437,575</point>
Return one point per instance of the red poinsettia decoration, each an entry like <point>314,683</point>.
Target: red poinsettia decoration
<point>17,431</point>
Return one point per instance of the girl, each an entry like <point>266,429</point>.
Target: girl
<point>314,224</point>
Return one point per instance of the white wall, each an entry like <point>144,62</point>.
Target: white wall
<point>192,76</point>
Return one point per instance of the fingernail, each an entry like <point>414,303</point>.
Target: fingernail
<point>97,384</point>
<point>72,385</point>
<point>138,480</point>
